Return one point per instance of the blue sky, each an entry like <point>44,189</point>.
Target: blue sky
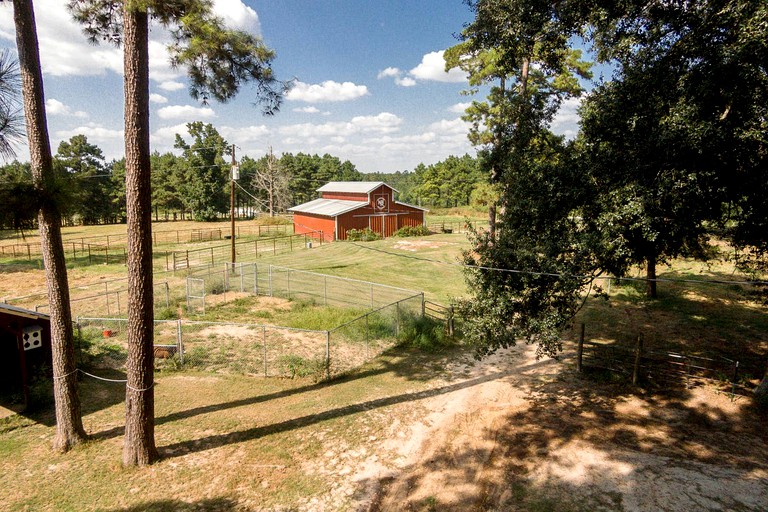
<point>370,85</point>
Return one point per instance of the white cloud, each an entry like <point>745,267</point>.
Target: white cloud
<point>157,98</point>
<point>381,123</point>
<point>171,85</point>
<point>450,126</point>
<point>185,112</point>
<point>432,67</point>
<point>56,108</point>
<point>95,133</point>
<point>238,16</point>
<point>389,72</point>
<point>326,92</point>
<point>459,108</point>
<point>251,138</point>
<point>166,135</point>
<point>397,74</point>
<point>566,122</point>
<point>307,110</point>
<point>405,82</point>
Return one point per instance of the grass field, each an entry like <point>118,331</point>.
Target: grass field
<point>245,443</point>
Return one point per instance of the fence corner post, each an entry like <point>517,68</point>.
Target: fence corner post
<point>580,351</point>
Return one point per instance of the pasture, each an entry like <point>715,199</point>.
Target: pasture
<point>420,430</point>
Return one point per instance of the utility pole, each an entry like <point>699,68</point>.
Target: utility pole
<point>234,174</point>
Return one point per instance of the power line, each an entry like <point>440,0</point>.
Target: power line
<point>561,274</point>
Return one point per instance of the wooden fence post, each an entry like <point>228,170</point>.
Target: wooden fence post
<point>580,350</point>
<point>638,355</point>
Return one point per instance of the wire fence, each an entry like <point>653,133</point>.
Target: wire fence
<point>290,284</point>
<point>248,348</point>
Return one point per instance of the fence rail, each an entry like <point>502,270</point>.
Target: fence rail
<point>660,367</point>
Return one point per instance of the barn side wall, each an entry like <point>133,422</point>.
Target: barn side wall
<point>307,223</point>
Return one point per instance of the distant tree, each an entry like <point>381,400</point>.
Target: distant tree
<point>219,61</point>
<point>167,182</point>
<point>204,170</point>
<point>272,180</point>
<point>84,164</point>
<point>18,207</point>
<point>69,424</point>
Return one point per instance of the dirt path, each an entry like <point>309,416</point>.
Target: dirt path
<point>532,435</point>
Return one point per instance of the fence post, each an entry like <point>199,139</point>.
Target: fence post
<point>638,354</point>
<point>288,283</point>
<point>213,262</point>
<point>187,286</point>
<point>74,251</point>
<point>397,318</point>
<point>264,342</point>
<point>328,355</point>
<point>367,336</point>
<point>274,247</point>
<point>371,295</point>
<point>118,302</point>
<point>450,320</point>
<point>187,258</point>
<point>255,279</point>
<point>423,305</point>
<point>179,341</point>
<point>580,350</point>
<point>106,254</point>
<point>29,253</point>
<point>167,293</point>
<point>270,281</point>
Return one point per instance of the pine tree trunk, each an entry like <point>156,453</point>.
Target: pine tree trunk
<point>139,444</point>
<point>650,289</point>
<point>69,424</point>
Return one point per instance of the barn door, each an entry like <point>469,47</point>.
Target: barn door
<point>376,223</point>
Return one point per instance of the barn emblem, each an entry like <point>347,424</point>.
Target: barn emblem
<point>381,203</point>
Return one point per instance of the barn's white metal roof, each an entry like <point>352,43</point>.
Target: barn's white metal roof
<point>354,187</point>
<point>27,313</point>
<point>328,207</point>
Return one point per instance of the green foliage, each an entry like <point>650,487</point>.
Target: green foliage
<point>406,231</point>
<point>362,235</point>
<point>11,119</point>
<point>424,333</point>
<point>17,197</point>
<point>205,173</point>
<point>295,365</point>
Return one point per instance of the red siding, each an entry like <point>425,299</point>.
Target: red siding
<point>308,223</point>
<point>382,214</point>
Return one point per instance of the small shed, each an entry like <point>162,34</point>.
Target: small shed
<point>345,205</point>
<point>25,349</point>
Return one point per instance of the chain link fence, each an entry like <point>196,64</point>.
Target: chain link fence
<point>291,284</point>
<point>249,349</point>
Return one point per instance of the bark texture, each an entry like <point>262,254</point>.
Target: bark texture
<point>69,424</point>
<point>139,444</point>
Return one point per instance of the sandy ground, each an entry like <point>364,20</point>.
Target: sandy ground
<point>514,433</point>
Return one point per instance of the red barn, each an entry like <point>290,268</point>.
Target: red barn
<point>345,205</point>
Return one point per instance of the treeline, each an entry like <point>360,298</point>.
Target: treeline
<point>195,184</point>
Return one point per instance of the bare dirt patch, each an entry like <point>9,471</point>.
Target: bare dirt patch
<point>417,245</point>
<point>522,434</point>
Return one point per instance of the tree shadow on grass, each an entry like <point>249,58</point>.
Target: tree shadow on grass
<point>408,363</point>
<point>207,505</point>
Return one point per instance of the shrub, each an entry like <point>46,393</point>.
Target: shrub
<point>412,231</point>
<point>362,235</point>
<point>296,365</point>
<point>426,334</point>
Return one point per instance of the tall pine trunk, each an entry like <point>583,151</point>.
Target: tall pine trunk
<point>69,424</point>
<point>139,444</point>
